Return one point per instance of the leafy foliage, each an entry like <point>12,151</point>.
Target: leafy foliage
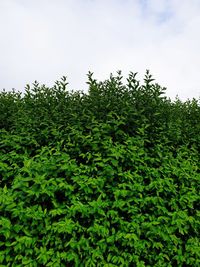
<point>107,178</point>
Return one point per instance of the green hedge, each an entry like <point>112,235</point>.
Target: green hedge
<point>107,178</point>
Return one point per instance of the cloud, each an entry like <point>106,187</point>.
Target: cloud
<point>44,40</point>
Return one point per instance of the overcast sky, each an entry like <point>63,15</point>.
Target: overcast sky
<point>45,39</point>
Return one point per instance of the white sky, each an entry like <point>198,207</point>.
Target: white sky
<point>45,39</point>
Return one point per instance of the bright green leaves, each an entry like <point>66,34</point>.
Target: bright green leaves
<point>116,209</point>
<point>5,227</point>
<point>65,226</point>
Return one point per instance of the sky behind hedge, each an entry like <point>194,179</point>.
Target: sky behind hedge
<point>45,39</point>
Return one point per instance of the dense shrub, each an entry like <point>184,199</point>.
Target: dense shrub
<point>105,178</point>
